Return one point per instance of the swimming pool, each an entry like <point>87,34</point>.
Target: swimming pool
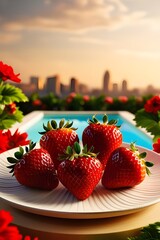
<point>33,124</point>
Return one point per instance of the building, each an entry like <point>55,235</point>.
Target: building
<point>74,85</point>
<point>106,83</point>
<point>53,85</point>
<point>124,87</point>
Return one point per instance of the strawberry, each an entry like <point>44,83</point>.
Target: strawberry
<point>80,172</point>
<point>126,167</point>
<point>55,138</point>
<point>34,168</point>
<point>104,137</point>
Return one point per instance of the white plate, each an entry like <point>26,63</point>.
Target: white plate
<point>101,204</point>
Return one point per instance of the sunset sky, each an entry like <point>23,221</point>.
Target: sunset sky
<point>82,39</point>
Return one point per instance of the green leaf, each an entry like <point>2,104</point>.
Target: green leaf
<point>45,128</point>
<point>151,122</point>
<point>31,145</point>
<point>85,149</point>
<point>49,127</point>
<point>105,118</point>
<point>7,123</point>
<point>61,123</point>
<point>143,155</point>
<point>95,120</point>
<point>66,124</point>
<point>77,148</point>
<point>69,125</point>
<point>150,232</point>
<point>26,149</point>
<point>18,155</point>
<point>10,93</point>
<point>149,164</point>
<point>69,150</point>
<point>21,150</point>
<point>112,122</point>
<point>54,124</point>
<point>11,160</point>
<point>7,120</point>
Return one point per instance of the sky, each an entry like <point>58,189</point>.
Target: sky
<point>82,39</point>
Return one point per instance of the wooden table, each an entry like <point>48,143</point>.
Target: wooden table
<point>49,228</point>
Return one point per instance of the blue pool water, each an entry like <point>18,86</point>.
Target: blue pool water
<point>129,131</point>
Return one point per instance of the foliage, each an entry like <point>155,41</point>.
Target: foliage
<point>148,121</point>
<point>10,93</point>
<point>149,117</point>
<point>7,120</point>
<point>9,96</point>
<point>150,232</point>
<point>77,102</point>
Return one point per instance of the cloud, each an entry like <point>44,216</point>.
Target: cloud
<point>7,38</point>
<point>139,54</point>
<point>90,40</point>
<point>66,15</point>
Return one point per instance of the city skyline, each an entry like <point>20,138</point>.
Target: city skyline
<point>81,39</point>
<point>54,84</point>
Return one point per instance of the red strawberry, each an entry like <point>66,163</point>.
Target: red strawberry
<point>34,168</point>
<point>55,139</point>
<point>104,137</point>
<point>125,168</point>
<point>80,172</point>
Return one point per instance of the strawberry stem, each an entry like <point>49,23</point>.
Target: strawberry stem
<point>52,125</point>
<point>142,156</point>
<point>76,151</point>
<point>104,120</point>
<point>18,156</point>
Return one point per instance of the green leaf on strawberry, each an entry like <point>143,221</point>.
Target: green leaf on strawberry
<point>75,151</point>
<point>18,155</point>
<point>104,120</point>
<point>52,125</point>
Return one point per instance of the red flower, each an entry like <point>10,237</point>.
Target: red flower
<point>153,105</point>
<point>10,108</point>
<point>69,99</point>
<point>123,99</point>
<point>156,146</point>
<point>108,100</point>
<point>8,232</point>
<point>17,139</point>
<point>5,219</point>
<point>7,73</point>
<point>29,238</point>
<point>86,98</point>
<point>37,102</point>
<point>72,95</point>
<point>3,142</point>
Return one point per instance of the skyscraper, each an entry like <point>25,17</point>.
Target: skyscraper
<point>124,87</point>
<point>35,81</point>
<point>74,85</point>
<point>53,85</point>
<point>106,83</point>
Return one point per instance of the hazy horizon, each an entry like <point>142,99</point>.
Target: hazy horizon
<point>82,39</point>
